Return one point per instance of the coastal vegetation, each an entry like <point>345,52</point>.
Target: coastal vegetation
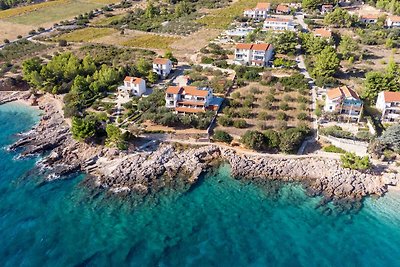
<point>352,161</point>
<point>86,34</point>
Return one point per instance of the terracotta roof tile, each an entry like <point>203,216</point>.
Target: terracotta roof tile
<point>193,103</point>
<point>395,18</point>
<point>133,80</point>
<point>244,46</point>
<point>161,61</point>
<point>277,20</point>
<point>282,8</point>
<point>391,96</point>
<point>257,47</point>
<point>186,90</point>
<point>370,16</point>
<point>323,32</point>
<point>343,91</point>
<point>263,5</point>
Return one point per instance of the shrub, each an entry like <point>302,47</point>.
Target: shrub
<point>240,124</point>
<point>302,116</point>
<point>6,41</point>
<point>281,116</point>
<point>224,121</point>
<point>62,43</point>
<point>254,140</point>
<point>354,162</point>
<point>291,139</point>
<point>235,95</point>
<point>222,136</point>
<point>255,90</point>
<point>336,131</point>
<point>284,106</point>
<point>244,113</point>
<point>333,149</point>
<point>263,116</point>
<point>273,138</point>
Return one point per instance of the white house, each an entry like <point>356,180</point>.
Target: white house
<point>254,54</point>
<point>344,102</point>
<point>389,104</point>
<point>162,66</point>
<point>393,21</point>
<point>369,18</point>
<point>259,12</point>
<point>133,86</point>
<point>188,99</point>
<point>279,24</point>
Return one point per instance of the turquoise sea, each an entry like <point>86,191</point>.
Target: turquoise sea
<point>220,222</point>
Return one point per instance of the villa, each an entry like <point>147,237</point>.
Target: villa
<point>389,104</point>
<point>189,99</point>
<point>162,66</point>
<point>254,54</point>
<point>278,24</point>
<point>133,86</point>
<point>393,22</point>
<point>282,9</point>
<point>322,33</point>
<point>259,12</point>
<point>369,18</point>
<point>345,102</point>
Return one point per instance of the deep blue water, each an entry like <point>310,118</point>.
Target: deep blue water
<point>221,222</point>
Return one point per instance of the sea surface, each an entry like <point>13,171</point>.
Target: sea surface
<point>220,222</point>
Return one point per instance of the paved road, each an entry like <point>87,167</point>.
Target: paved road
<point>300,21</point>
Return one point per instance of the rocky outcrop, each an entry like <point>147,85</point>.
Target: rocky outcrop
<point>171,166</point>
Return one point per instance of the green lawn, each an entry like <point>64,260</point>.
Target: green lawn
<point>55,13</point>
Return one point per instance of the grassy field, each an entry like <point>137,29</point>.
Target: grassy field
<point>86,34</point>
<point>51,12</point>
<point>222,18</point>
<point>31,8</point>
<point>151,41</point>
<point>106,21</point>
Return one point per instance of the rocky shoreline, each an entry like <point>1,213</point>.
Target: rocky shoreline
<point>166,165</point>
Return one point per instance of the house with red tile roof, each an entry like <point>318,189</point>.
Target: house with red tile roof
<point>389,105</point>
<point>278,24</point>
<point>188,99</point>
<point>344,102</point>
<point>393,21</point>
<point>254,54</point>
<point>133,86</point>
<point>282,9</point>
<point>259,12</point>
<point>162,66</point>
<point>323,33</point>
<point>369,18</point>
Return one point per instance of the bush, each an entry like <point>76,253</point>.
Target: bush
<point>224,121</point>
<point>254,140</point>
<point>273,138</point>
<point>333,149</point>
<point>262,116</point>
<point>222,136</point>
<point>6,41</point>
<point>240,124</point>
<point>336,131</point>
<point>281,116</point>
<point>291,139</point>
<point>62,43</point>
<point>284,106</point>
<point>354,162</point>
<point>302,116</point>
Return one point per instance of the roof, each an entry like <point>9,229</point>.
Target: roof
<point>327,6</point>
<point>323,32</point>
<point>244,46</point>
<point>394,18</point>
<point>187,90</point>
<point>263,5</point>
<point>282,8</point>
<point>161,61</point>
<point>370,16</point>
<point>391,96</point>
<point>133,80</point>
<point>257,47</point>
<point>342,91</point>
<point>277,20</point>
<point>189,110</point>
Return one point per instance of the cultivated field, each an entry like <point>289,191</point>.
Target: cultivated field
<point>151,41</point>
<point>86,34</point>
<point>20,20</point>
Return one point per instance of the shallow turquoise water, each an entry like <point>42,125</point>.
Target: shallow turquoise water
<point>221,222</point>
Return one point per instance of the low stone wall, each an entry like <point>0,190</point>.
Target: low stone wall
<point>360,148</point>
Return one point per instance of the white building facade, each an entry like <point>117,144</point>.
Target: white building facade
<point>344,102</point>
<point>389,104</point>
<point>279,24</point>
<point>162,66</point>
<point>188,99</point>
<point>133,86</point>
<point>254,54</point>
<point>393,22</point>
<point>261,11</point>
